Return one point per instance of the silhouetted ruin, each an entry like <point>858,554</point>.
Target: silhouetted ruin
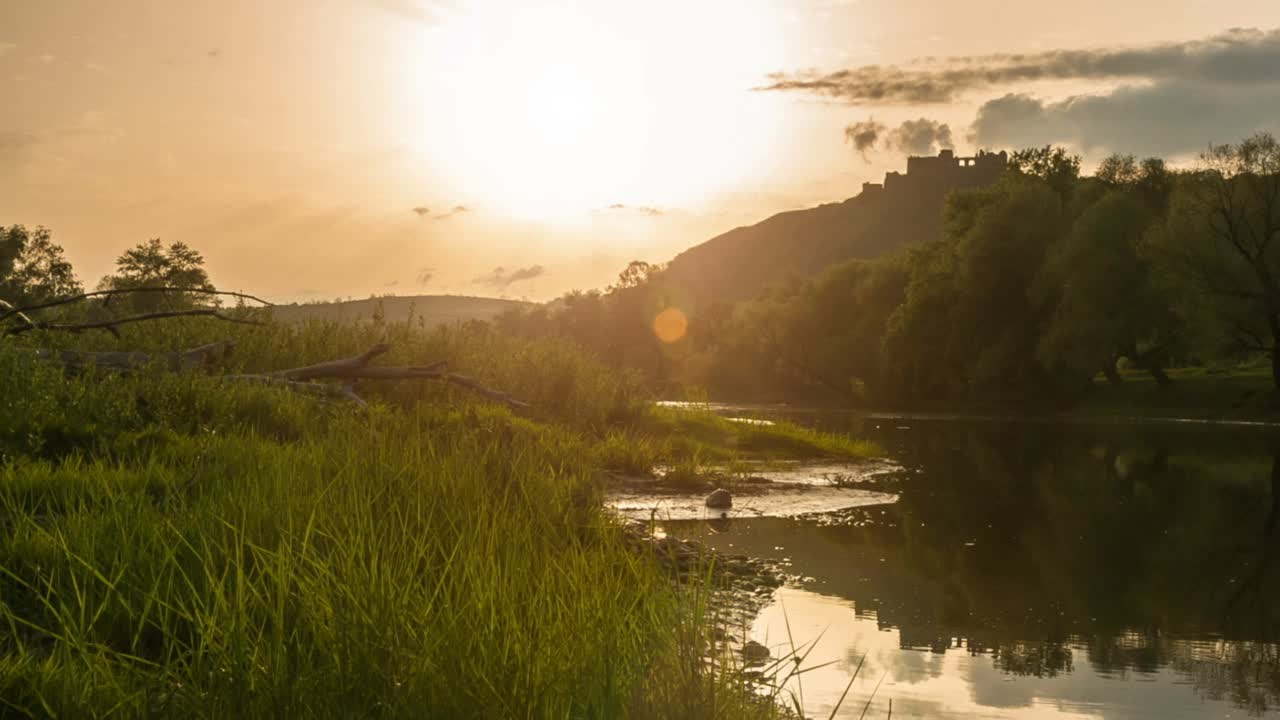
<point>945,171</point>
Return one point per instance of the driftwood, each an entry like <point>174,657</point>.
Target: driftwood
<point>300,379</point>
<point>205,356</point>
<point>357,367</point>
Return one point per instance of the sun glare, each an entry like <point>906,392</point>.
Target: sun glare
<point>549,110</point>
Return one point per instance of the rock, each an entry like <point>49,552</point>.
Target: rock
<point>753,653</point>
<point>720,499</point>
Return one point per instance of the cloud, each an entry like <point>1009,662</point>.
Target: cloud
<point>455,210</point>
<point>425,275</point>
<point>1165,118</point>
<point>500,278</point>
<point>214,54</point>
<point>642,209</point>
<point>913,137</point>
<point>920,137</point>
<point>864,135</point>
<point>1239,57</point>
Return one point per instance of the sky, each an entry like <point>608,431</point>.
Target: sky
<point>314,149</point>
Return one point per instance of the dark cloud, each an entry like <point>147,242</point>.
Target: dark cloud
<point>1163,118</point>
<point>913,137</point>
<point>422,211</point>
<point>214,54</point>
<point>642,209</point>
<point>920,137</point>
<point>864,135</point>
<point>425,275</point>
<point>1240,57</point>
<point>499,277</point>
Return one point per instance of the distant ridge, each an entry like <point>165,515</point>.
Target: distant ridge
<point>906,208</point>
<point>432,309</point>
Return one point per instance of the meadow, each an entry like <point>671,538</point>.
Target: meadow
<point>178,544</point>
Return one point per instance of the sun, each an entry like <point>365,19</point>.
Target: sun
<point>545,110</point>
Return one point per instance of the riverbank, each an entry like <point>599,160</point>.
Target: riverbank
<point>177,545</point>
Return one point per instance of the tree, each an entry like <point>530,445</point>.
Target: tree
<point>151,264</point>
<point>1222,237</point>
<point>1107,303</point>
<point>1054,165</point>
<point>32,267</point>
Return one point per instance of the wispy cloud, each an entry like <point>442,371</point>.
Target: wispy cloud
<point>425,274</point>
<point>425,212</point>
<point>500,277</point>
<point>641,209</point>
<point>1236,57</point>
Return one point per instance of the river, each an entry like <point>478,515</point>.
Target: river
<point>1035,570</point>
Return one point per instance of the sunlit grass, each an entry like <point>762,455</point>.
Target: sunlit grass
<point>179,545</point>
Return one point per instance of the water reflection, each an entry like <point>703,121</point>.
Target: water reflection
<point>1043,571</point>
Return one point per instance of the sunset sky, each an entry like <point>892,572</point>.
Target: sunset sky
<point>322,148</point>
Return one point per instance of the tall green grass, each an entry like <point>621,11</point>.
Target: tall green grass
<point>176,545</point>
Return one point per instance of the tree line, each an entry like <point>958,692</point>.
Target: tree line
<point>1037,285</point>
<point>34,270</point>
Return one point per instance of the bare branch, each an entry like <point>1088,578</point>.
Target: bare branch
<point>334,368</point>
<point>204,356</point>
<point>11,310</point>
<point>111,325</point>
<point>490,393</point>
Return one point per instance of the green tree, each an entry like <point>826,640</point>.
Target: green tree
<point>1221,241</point>
<point>152,264</point>
<point>1054,165</point>
<point>33,268</point>
<point>1107,303</point>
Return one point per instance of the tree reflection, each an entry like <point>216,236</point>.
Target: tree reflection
<point>1023,543</point>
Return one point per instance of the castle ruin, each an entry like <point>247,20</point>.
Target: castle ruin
<point>946,171</point>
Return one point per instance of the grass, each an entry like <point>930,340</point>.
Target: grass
<point>1197,393</point>
<point>174,545</point>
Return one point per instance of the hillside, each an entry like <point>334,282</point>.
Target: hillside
<point>433,309</point>
<point>906,208</point>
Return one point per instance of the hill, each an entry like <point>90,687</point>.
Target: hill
<point>433,309</point>
<point>906,208</point>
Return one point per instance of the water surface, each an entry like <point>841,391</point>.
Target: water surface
<point>1037,570</point>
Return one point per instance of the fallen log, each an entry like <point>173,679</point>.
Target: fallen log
<point>299,379</point>
<point>203,357</point>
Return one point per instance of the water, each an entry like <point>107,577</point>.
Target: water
<point>1037,570</point>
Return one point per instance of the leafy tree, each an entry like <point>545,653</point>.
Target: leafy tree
<point>151,264</point>
<point>971,320</point>
<point>1108,305</point>
<point>1054,165</point>
<point>33,268</point>
<point>1222,240</point>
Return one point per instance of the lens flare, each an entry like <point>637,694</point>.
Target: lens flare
<point>670,325</point>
